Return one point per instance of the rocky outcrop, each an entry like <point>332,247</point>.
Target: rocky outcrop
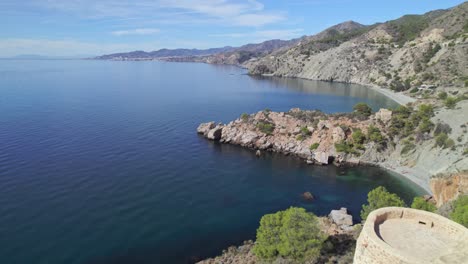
<point>341,218</point>
<point>310,135</point>
<point>205,128</point>
<point>324,139</point>
<point>446,188</point>
<point>215,133</point>
<point>384,115</point>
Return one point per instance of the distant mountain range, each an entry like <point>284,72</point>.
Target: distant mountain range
<point>258,49</point>
<point>397,54</point>
<point>162,53</point>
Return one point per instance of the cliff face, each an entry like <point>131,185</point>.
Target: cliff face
<point>447,188</point>
<point>310,135</point>
<point>395,54</point>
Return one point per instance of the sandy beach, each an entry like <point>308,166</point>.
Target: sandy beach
<point>417,176</point>
<point>397,97</point>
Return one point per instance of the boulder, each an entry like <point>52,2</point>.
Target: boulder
<point>341,218</point>
<point>338,134</point>
<point>321,157</point>
<point>258,153</point>
<point>215,133</point>
<point>323,124</point>
<point>384,115</point>
<point>248,138</point>
<point>308,196</point>
<point>296,131</point>
<point>204,128</point>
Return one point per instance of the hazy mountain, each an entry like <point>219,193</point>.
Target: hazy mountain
<point>162,53</point>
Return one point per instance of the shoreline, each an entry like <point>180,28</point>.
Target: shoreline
<point>413,175</point>
<point>399,98</point>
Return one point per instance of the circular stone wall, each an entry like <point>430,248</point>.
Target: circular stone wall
<point>404,235</point>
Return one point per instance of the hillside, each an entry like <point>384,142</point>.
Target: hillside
<point>162,53</point>
<point>225,55</point>
<point>397,54</point>
<point>240,55</point>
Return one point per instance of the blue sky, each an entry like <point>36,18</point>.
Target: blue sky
<point>93,27</point>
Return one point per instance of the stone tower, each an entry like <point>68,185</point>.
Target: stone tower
<point>404,235</point>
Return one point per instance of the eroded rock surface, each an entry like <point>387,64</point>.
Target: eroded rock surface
<point>341,218</point>
<point>294,132</point>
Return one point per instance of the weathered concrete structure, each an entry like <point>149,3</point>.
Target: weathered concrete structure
<point>404,235</point>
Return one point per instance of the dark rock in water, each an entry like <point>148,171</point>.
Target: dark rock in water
<point>307,196</point>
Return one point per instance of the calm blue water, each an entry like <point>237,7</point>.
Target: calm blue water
<point>100,161</point>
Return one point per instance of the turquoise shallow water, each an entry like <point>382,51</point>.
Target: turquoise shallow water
<point>100,161</point>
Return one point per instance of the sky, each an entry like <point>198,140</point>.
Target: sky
<point>95,27</point>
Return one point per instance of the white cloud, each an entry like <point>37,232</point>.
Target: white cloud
<point>138,31</point>
<point>228,12</point>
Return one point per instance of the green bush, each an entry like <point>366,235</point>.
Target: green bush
<point>431,52</point>
<point>374,134</point>
<point>266,128</point>
<point>362,109</point>
<point>345,147</point>
<point>407,148</point>
<point>414,90</point>
<point>442,140</point>
<point>426,126</point>
<point>450,102</point>
<point>421,204</point>
<point>378,198</point>
<point>293,234</point>
<point>358,136</point>
<point>314,146</point>
<point>305,132</point>
<point>425,111</point>
<point>244,117</point>
<point>460,210</point>
<point>442,95</point>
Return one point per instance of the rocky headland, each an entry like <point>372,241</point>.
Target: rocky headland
<point>414,141</point>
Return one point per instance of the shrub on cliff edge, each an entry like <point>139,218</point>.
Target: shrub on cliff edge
<point>292,234</point>
<point>460,210</point>
<point>362,109</point>
<point>421,204</point>
<point>378,198</point>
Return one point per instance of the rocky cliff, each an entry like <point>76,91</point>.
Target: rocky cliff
<point>396,54</point>
<point>448,187</point>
